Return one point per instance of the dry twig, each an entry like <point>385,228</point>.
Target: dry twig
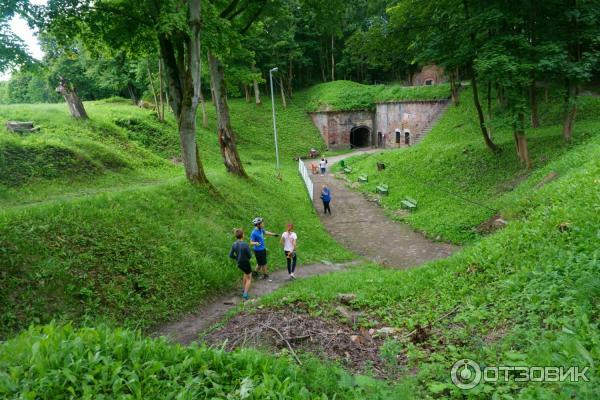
<point>286,342</point>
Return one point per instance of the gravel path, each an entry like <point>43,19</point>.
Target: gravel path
<point>363,227</point>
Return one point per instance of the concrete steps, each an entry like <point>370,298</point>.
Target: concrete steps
<point>431,124</point>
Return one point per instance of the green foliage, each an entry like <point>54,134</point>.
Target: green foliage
<point>21,163</point>
<point>55,362</point>
<point>347,95</point>
<point>398,93</point>
<point>12,48</point>
<point>450,169</point>
<point>138,245</point>
<point>65,148</point>
<point>527,295</point>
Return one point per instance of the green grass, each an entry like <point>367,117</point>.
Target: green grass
<point>527,295</point>
<point>99,363</point>
<point>138,245</point>
<point>458,182</point>
<point>348,95</point>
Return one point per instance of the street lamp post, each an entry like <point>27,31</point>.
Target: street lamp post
<point>274,120</point>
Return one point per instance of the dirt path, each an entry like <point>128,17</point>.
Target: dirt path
<point>356,223</point>
<point>363,227</point>
<point>186,330</point>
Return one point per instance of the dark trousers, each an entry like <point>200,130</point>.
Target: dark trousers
<point>326,207</point>
<point>291,261</point>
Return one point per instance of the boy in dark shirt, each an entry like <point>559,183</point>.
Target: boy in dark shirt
<point>240,251</point>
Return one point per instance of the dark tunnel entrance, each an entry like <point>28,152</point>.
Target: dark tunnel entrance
<point>360,137</point>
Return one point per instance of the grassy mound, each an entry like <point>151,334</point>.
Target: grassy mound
<point>527,295</point>
<point>348,95</point>
<point>138,245</point>
<point>63,363</point>
<point>459,183</point>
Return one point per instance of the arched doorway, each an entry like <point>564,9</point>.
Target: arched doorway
<point>407,138</point>
<point>359,136</point>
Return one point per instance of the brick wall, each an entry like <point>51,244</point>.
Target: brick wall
<point>407,116</point>
<point>335,126</point>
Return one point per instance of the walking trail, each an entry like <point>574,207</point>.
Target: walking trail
<point>355,222</point>
<point>187,329</point>
<point>363,227</point>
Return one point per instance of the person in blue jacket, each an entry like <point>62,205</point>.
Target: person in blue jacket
<point>326,197</point>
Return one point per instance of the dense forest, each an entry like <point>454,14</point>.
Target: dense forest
<point>178,54</point>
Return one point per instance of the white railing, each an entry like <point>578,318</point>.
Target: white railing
<point>306,178</point>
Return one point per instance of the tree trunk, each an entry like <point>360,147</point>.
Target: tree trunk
<point>535,119</point>
<point>204,115</point>
<point>488,142</point>
<point>73,101</point>
<point>247,93</point>
<point>332,59</point>
<point>290,78</point>
<point>161,84</point>
<point>282,93</point>
<point>570,111</point>
<point>489,110</point>
<point>454,89</point>
<point>194,171</point>
<point>500,96</point>
<point>229,152</point>
<point>256,93</point>
<point>182,75</point>
<point>153,91</point>
<point>521,141</point>
<point>132,95</point>
<point>323,71</point>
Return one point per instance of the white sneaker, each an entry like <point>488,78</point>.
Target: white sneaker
<point>293,276</point>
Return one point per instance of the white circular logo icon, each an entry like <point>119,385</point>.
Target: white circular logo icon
<point>466,374</point>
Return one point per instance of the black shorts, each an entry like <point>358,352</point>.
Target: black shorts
<point>261,257</point>
<point>245,267</point>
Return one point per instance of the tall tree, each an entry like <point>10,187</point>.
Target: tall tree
<point>173,26</point>
<point>230,21</point>
<point>12,48</point>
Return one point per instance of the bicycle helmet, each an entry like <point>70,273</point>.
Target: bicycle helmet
<point>257,221</point>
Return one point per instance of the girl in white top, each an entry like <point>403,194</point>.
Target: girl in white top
<point>288,240</point>
<point>323,165</point>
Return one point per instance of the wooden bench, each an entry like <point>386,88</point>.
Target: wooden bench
<point>409,203</point>
<point>348,170</point>
<point>382,188</point>
<point>363,178</point>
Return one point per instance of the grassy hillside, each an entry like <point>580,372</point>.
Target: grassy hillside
<point>527,295</point>
<point>136,244</point>
<point>347,95</point>
<point>146,246</point>
<point>458,182</point>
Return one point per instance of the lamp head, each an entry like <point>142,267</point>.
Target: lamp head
<point>274,69</point>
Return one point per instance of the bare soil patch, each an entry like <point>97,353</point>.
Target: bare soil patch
<point>491,225</point>
<point>296,331</point>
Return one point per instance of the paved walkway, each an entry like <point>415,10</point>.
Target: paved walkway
<point>363,227</point>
